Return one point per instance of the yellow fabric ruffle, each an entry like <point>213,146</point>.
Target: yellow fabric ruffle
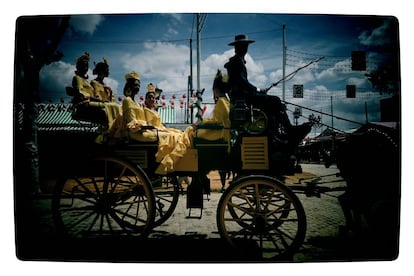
<point>171,147</point>
<point>112,110</point>
<point>172,143</point>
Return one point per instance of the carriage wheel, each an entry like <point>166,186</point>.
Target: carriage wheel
<point>167,192</point>
<point>257,123</point>
<point>264,211</point>
<point>110,197</point>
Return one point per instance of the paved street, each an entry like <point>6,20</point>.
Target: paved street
<point>324,216</point>
<point>181,239</point>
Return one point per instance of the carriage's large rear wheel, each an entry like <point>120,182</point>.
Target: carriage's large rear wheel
<point>105,196</point>
<point>263,211</point>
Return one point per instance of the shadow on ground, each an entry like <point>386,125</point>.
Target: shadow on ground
<point>176,249</point>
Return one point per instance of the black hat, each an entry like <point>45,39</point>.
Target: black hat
<point>241,38</point>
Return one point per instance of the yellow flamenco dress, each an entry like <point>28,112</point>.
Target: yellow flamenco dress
<point>172,143</point>
<point>84,87</point>
<point>220,115</point>
<point>104,93</point>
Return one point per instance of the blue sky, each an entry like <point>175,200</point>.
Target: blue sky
<point>157,46</point>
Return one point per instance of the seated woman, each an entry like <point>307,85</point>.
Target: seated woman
<point>151,97</point>
<point>152,117</point>
<point>172,144</point>
<point>87,106</point>
<point>82,91</point>
<point>220,114</point>
<point>103,93</point>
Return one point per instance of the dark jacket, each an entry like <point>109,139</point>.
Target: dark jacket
<point>238,83</point>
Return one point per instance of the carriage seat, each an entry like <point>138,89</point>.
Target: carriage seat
<point>201,142</point>
<point>87,110</point>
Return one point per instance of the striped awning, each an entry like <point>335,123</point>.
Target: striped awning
<point>56,118</point>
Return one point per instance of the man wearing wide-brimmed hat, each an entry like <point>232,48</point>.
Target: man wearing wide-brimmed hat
<point>241,88</point>
<point>236,69</point>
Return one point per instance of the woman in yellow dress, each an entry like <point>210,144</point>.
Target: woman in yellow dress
<point>84,92</point>
<point>172,143</point>
<point>152,117</point>
<point>103,92</point>
<point>219,116</point>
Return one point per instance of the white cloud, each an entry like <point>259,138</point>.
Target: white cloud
<point>321,88</point>
<point>53,80</point>
<point>168,66</point>
<point>303,77</point>
<point>172,31</point>
<point>376,37</point>
<point>276,75</point>
<point>359,82</point>
<point>339,71</point>
<point>163,64</point>
<point>176,16</point>
<point>86,23</point>
<point>216,61</point>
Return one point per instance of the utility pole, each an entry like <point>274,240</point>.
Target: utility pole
<point>190,84</point>
<point>284,61</point>
<point>199,92</point>
<point>198,52</point>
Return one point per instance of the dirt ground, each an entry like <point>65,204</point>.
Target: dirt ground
<point>215,182</point>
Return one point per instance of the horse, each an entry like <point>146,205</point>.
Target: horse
<point>369,161</point>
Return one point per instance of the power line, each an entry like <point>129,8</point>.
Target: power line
<point>118,41</point>
<point>140,41</point>
<point>203,18</point>
<point>314,55</point>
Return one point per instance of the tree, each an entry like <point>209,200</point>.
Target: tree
<point>386,78</point>
<point>37,39</point>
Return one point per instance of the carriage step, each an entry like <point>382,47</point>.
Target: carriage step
<point>189,216</point>
<point>192,204</point>
<point>194,200</point>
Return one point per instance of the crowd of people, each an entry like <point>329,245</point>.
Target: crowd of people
<point>141,122</point>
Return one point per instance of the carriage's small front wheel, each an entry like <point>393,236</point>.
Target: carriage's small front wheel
<point>167,192</point>
<point>104,196</point>
<point>262,211</point>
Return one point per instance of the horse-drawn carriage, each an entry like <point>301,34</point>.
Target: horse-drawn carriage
<point>112,189</point>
